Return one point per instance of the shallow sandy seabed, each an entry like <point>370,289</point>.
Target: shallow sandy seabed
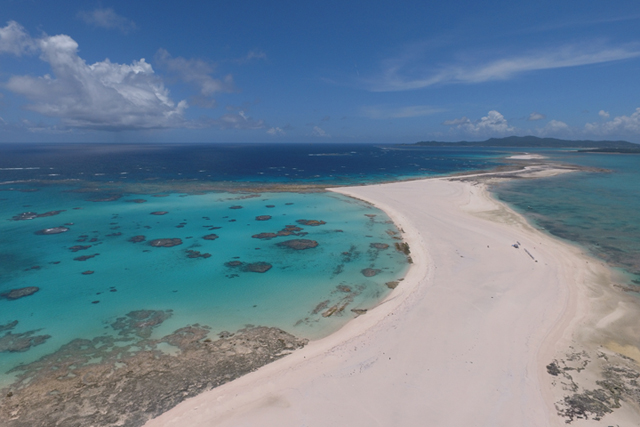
<point>466,339</point>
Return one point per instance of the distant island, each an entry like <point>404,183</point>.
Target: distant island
<point>534,141</point>
<point>633,150</point>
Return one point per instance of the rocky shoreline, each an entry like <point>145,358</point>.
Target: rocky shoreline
<point>125,379</point>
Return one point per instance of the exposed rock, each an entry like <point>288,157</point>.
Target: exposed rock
<point>210,237</point>
<point>126,380</point>
<point>54,230</point>
<point>20,292</point>
<point>359,311</point>
<point>32,215</point>
<point>165,243</point>
<point>18,343</point>
<point>392,285</point>
<point>379,245</point>
<point>370,272</point>
<point>263,217</point>
<point>159,213</point>
<point>310,222</point>
<point>299,244</point>
<point>137,239</point>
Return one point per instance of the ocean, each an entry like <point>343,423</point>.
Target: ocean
<point>231,235</point>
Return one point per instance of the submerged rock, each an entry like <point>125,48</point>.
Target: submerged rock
<point>19,343</point>
<point>299,244</point>
<point>77,248</point>
<point>85,257</point>
<point>263,217</point>
<point>235,207</point>
<point>210,237</point>
<point>159,213</point>
<point>136,201</point>
<point>379,245</point>
<point>54,230</point>
<point>137,239</point>
<point>165,243</point>
<point>20,292</point>
<point>197,254</point>
<point>257,267</point>
<point>310,222</point>
<point>370,272</point>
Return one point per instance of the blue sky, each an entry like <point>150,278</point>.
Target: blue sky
<point>330,71</point>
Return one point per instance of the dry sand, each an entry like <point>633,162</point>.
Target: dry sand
<point>462,341</point>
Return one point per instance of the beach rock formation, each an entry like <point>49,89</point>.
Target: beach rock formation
<point>19,343</point>
<point>299,244</point>
<point>133,380</point>
<point>165,243</point>
<point>19,292</point>
<point>54,230</point>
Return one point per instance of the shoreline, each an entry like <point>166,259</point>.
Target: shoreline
<point>338,379</point>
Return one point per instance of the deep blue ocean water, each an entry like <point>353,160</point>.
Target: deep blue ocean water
<point>106,194</point>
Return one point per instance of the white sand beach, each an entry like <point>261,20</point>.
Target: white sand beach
<point>462,341</point>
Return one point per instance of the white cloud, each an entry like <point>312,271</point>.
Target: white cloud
<point>317,131</point>
<point>103,95</point>
<point>404,73</point>
<point>536,116</point>
<point>621,125</point>
<point>603,114</point>
<point>378,112</point>
<point>239,121</point>
<point>198,73</point>
<point>14,39</point>
<point>493,123</point>
<point>457,122</point>
<point>276,131</point>
<point>107,18</point>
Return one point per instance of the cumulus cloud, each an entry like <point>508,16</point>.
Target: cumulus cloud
<point>536,116</point>
<point>378,112</point>
<point>406,72</point>
<point>107,18</point>
<point>317,131</point>
<point>14,39</point>
<point>103,95</point>
<point>621,125</point>
<point>493,123</point>
<point>603,114</point>
<point>197,73</point>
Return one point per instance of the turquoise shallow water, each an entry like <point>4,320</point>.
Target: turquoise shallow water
<point>598,210</point>
<point>132,276</point>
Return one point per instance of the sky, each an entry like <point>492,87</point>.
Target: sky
<point>308,71</point>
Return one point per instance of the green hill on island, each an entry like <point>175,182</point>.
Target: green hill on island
<point>534,141</point>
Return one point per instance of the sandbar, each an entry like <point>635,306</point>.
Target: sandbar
<point>463,340</point>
